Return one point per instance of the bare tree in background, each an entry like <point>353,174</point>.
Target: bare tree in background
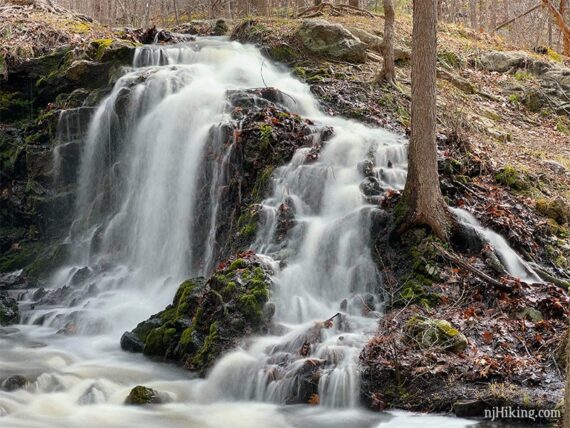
<point>388,72</point>
<point>422,201</point>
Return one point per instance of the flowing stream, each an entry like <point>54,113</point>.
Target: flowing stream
<point>145,218</point>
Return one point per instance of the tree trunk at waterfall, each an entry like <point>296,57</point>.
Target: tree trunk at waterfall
<point>422,202</point>
<point>388,72</point>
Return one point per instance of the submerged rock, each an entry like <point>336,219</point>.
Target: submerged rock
<point>207,317</point>
<point>331,41</point>
<point>141,395</point>
<point>13,383</point>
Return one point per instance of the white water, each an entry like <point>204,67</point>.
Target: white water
<point>140,232</point>
<point>513,263</point>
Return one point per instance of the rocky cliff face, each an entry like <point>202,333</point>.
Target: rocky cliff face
<point>39,165</point>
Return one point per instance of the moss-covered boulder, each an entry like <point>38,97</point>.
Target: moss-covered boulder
<point>207,317</point>
<point>141,395</point>
<point>428,333</point>
<point>556,209</point>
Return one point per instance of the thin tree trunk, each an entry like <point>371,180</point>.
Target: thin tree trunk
<point>422,199</point>
<point>473,13</point>
<point>565,37</point>
<point>176,12</point>
<point>388,72</point>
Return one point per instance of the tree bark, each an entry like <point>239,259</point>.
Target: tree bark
<point>354,3</point>
<point>388,72</point>
<point>422,202</point>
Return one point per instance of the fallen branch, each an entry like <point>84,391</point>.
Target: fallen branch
<point>510,21</point>
<point>463,264</point>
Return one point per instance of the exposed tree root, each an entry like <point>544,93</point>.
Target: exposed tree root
<point>334,10</point>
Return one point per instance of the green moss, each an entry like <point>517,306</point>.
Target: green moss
<point>554,56</point>
<point>247,224</point>
<point>238,264</point>
<point>262,184</point>
<point>186,337</point>
<point>555,209</point>
<point>512,177</point>
<point>208,351</point>
<point>265,136</point>
<point>523,76</point>
<point>141,395</point>
<point>282,53</point>
<point>428,332</point>
<point>514,99</point>
<point>158,340</point>
<point>99,47</point>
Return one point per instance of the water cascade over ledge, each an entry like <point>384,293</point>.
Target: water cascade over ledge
<point>146,216</point>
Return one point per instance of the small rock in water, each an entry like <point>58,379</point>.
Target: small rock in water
<point>9,313</point>
<point>141,395</point>
<point>13,383</point>
<point>131,343</point>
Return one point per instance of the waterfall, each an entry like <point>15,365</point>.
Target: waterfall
<point>146,212</point>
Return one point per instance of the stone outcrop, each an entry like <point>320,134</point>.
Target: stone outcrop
<point>207,317</point>
<point>331,41</point>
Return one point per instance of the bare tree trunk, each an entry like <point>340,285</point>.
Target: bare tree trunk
<point>388,72</point>
<point>473,13</point>
<point>565,37</point>
<point>176,12</point>
<point>493,15</point>
<point>354,3</point>
<point>422,200</point>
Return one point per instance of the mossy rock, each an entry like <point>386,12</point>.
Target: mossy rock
<point>209,317</point>
<point>141,395</point>
<point>427,333</point>
<point>512,177</point>
<point>555,209</point>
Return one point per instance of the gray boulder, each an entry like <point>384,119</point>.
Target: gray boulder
<point>331,41</point>
<point>503,61</point>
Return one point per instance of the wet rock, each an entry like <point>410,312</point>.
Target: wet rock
<point>366,168</point>
<point>469,408</point>
<point>9,312</point>
<point>370,186</point>
<point>428,333</point>
<point>208,317</point>
<point>14,280</point>
<point>331,41</point>
<point>130,342</point>
<point>285,220</point>
<point>13,383</point>
<point>39,294</point>
<point>81,275</point>
<point>141,395</point>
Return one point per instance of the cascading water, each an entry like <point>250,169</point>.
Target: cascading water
<point>146,215</point>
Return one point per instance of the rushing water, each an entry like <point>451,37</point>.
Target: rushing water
<point>145,218</point>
